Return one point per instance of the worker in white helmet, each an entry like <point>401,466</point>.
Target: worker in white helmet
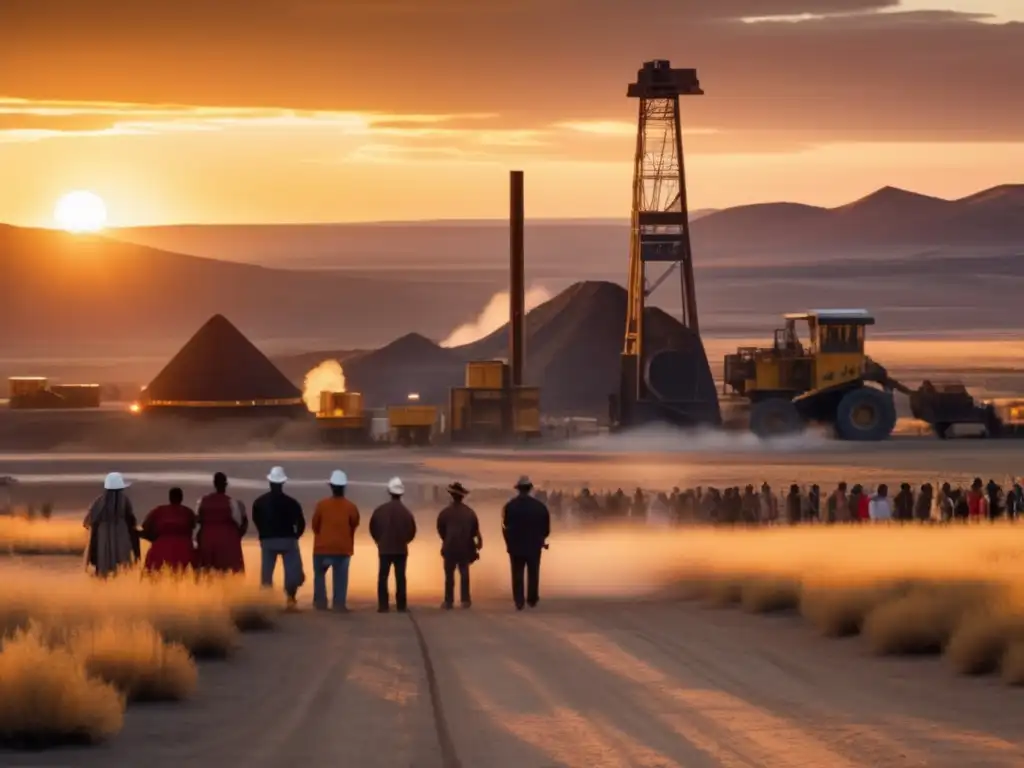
<point>334,527</point>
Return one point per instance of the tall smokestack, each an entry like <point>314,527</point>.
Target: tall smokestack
<point>517,278</point>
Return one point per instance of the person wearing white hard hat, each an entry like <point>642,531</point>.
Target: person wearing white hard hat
<point>392,527</point>
<point>113,529</point>
<point>334,527</point>
<point>280,523</point>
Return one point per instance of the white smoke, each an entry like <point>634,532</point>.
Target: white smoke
<point>494,315</point>
<point>326,377</point>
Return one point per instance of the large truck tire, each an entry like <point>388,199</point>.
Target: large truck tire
<point>865,415</point>
<point>775,417</point>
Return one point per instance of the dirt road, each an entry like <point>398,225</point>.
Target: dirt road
<point>571,684</point>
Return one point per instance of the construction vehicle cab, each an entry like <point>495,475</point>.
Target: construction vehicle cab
<point>815,371</point>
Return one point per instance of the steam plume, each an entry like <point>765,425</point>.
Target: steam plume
<point>494,315</point>
<point>326,377</point>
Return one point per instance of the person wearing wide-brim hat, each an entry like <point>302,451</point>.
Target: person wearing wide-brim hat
<point>334,527</point>
<point>113,529</point>
<point>392,528</point>
<point>280,523</point>
<point>526,525</point>
<point>461,542</point>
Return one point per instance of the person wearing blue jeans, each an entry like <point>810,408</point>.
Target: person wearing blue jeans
<point>280,524</point>
<point>334,527</point>
<point>338,566</point>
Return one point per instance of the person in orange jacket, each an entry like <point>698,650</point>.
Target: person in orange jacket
<point>334,526</point>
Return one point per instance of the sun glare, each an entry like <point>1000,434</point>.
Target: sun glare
<point>80,211</point>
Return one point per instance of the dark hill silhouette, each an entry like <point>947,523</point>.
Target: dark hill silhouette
<point>889,220</point>
<point>219,365</point>
<point>74,292</point>
<point>573,344</point>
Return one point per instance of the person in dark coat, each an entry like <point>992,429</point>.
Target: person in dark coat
<point>526,525</point>
<point>280,523</point>
<point>392,527</point>
<point>794,505</point>
<point>222,525</point>
<point>169,527</point>
<point>461,542</point>
<point>903,504</point>
<point>923,504</point>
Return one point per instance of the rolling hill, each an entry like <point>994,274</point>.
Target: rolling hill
<point>70,295</point>
<point>888,220</point>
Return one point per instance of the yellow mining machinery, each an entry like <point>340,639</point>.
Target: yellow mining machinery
<point>816,371</point>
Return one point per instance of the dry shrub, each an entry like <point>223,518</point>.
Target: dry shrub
<point>840,611</point>
<point>24,536</point>
<point>770,595</point>
<point>48,698</point>
<point>982,639</point>
<point>1013,663</point>
<point>135,659</point>
<point>923,620</point>
<point>253,609</point>
<point>723,591</point>
<point>195,614</point>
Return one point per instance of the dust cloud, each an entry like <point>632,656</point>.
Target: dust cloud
<point>667,439</point>
<point>326,377</point>
<point>493,316</point>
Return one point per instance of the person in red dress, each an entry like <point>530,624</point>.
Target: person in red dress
<point>222,524</point>
<point>169,528</point>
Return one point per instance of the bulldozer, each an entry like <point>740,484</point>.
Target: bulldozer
<point>817,371</point>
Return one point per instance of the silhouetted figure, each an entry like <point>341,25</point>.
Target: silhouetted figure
<point>222,525</point>
<point>923,504</point>
<point>169,528</point>
<point>280,523</point>
<point>461,542</point>
<point>392,527</point>
<point>334,527</point>
<point>903,504</point>
<point>525,525</point>
<point>838,505</point>
<point>113,529</point>
<point>794,505</point>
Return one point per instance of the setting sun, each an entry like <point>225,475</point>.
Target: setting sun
<point>80,211</point>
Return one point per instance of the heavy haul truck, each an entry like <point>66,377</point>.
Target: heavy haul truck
<point>816,371</point>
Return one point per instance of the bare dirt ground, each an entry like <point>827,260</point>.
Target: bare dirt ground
<point>590,683</point>
<point>572,684</point>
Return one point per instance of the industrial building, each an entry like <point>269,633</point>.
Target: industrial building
<point>36,392</point>
<point>219,372</point>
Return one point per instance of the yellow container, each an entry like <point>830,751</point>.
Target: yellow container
<point>526,410</point>
<point>412,415</point>
<point>487,374</point>
<point>22,386</point>
<point>459,407</point>
<point>341,404</point>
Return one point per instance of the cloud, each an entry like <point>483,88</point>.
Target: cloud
<point>851,71</point>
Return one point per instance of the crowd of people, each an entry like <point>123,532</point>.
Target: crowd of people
<point>766,505</point>
<point>209,538</point>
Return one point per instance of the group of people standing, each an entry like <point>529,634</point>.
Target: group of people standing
<point>210,538</point>
<point>797,504</point>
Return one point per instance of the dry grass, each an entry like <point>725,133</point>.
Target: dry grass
<point>204,616</point>
<point>135,659</point>
<point>22,536</point>
<point>48,698</point>
<point>1013,663</point>
<point>906,589</point>
<point>770,595</point>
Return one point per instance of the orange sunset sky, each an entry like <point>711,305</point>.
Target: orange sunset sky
<point>345,110</point>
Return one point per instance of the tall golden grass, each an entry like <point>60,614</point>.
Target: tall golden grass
<point>23,536</point>
<point>907,590</point>
<point>48,697</point>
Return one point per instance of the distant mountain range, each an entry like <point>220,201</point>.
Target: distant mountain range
<point>923,263</point>
<point>883,222</point>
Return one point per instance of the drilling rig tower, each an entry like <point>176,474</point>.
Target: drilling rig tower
<point>671,383</point>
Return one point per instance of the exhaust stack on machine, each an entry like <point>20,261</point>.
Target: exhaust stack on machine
<point>517,278</point>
